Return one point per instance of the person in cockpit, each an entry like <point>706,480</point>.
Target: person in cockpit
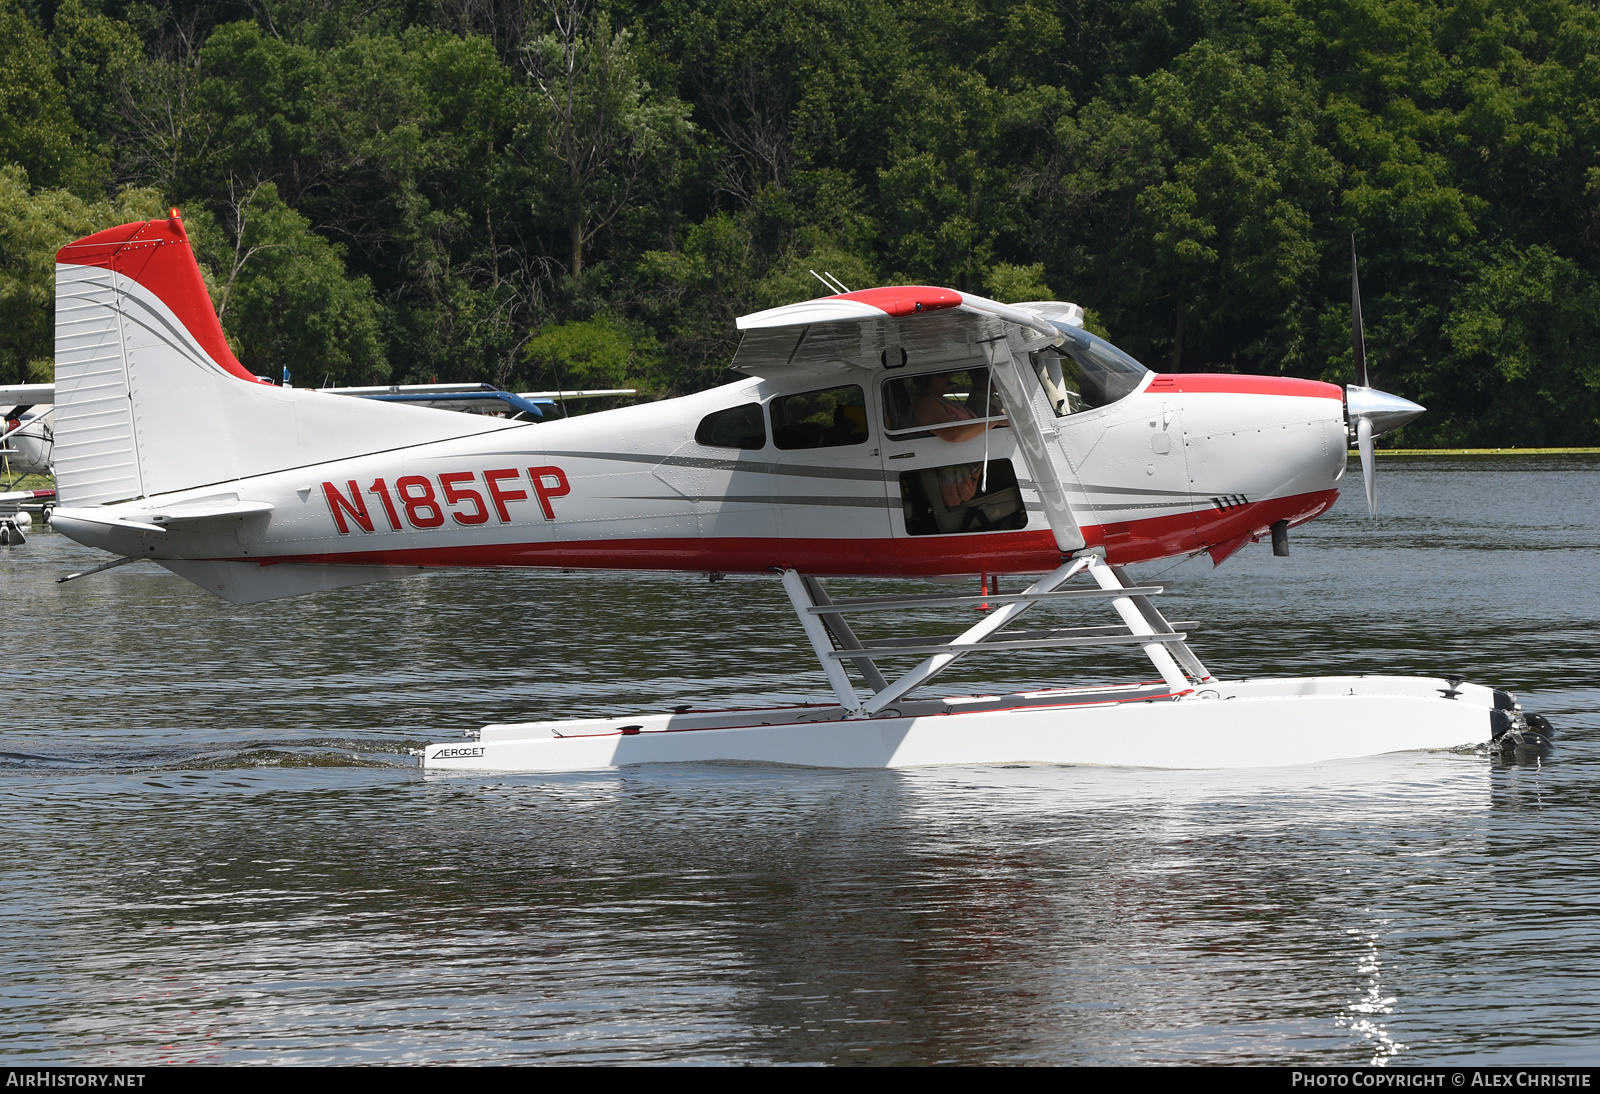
<point>959,483</point>
<point>933,406</point>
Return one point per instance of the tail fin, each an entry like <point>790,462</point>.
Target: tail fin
<point>150,399</point>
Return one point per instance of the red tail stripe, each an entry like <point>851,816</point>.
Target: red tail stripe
<point>157,254</point>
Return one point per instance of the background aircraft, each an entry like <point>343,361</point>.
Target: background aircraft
<point>25,446</point>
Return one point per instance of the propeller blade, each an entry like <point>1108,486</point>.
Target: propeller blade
<point>1369,463</point>
<point>1358,336</point>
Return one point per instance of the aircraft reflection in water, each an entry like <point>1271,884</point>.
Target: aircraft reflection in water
<point>896,432</point>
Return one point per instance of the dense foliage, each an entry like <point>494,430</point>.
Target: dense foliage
<point>588,193</point>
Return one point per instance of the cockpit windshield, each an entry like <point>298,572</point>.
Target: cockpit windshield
<point>1085,371</point>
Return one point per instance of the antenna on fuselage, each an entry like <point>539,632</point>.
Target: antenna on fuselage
<point>831,283</point>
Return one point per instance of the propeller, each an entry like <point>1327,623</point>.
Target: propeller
<point>1369,412</point>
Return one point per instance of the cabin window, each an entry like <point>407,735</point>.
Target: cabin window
<point>963,398</point>
<point>736,427</point>
<point>1085,372</point>
<point>960,498</point>
<point>829,418</point>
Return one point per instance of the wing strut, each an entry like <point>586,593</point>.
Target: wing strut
<point>1009,368</point>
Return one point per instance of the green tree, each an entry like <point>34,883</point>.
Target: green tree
<point>1199,208</point>
<point>93,57</point>
<point>588,353</point>
<point>34,225</point>
<point>510,175</point>
<point>1012,284</point>
<point>284,298</point>
<point>607,130</point>
<point>37,132</point>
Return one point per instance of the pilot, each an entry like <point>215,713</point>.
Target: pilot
<point>933,406</point>
<point>958,483</point>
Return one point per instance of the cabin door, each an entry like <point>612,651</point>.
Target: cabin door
<point>827,478</point>
<point>948,458</point>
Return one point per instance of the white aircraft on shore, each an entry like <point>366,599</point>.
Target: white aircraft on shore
<point>911,431</point>
<point>25,445</point>
<point>26,441</point>
<point>14,519</point>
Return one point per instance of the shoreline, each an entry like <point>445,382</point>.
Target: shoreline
<point>1484,452</point>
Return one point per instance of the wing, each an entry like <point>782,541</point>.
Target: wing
<point>891,327</point>
<point>468,398</point>
<point>865,329</point>
<point>27,394</point>
<point>475,398</point>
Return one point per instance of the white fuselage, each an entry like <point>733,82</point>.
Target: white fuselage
<point>1166,470</point>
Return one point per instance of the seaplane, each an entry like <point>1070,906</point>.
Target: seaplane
<point>25,444</point>
<point>908,432</point>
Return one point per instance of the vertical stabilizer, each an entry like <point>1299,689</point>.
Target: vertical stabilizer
<point>150,399</point>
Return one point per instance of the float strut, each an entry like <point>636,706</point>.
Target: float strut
<point>1191,664</point>
<point>1136,622</point>
<point>800,596</point>
<point>972,636</point>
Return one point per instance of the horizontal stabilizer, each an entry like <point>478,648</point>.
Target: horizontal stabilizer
<point>64,517</point>
<point>196,512</point>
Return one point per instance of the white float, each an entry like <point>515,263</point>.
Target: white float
<point>1188,719</point>
<point>1256,723</point>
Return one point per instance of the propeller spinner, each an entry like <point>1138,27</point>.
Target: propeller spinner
<point>1371,413</point>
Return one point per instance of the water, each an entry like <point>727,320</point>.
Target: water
<point>217,850</point>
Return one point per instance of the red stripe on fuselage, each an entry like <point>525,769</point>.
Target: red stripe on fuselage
<point>1228,384</point>
<point>917,556</point>
<point>1213,526</point>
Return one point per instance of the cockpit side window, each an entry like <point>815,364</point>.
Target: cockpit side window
<point>829,418</point>
<point>736,427</point>
<point>963,398</point>
<point>1085,371</point>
